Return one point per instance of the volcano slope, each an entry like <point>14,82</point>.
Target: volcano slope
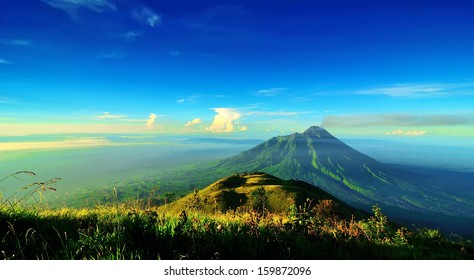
<point>318,158</point>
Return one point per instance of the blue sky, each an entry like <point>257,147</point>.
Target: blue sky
<point>237,68</point>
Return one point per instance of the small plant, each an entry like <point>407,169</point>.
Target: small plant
<point>302,216</point>
<point>259,200</point>
<point>25,194</point>
<point>377,230</point>
<point>195,202</point>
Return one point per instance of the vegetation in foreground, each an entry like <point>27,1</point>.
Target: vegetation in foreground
<point>315,229</point>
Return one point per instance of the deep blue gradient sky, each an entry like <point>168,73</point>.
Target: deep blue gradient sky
<point>237,68</point>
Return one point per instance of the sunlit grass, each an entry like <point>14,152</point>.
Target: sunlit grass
<point>138,230</point>
<point>124,231</point>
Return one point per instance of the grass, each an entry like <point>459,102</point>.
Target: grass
<point>133,230</point>
<point>128,231</point>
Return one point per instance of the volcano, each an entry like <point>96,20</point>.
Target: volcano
<point>318,158</point>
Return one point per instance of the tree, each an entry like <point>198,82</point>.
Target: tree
<point>168,196</point>
<point>259,199</point>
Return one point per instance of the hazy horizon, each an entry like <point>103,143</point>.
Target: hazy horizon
<point>439,154</point>
<point>84,165</point>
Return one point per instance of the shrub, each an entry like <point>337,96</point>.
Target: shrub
<point>259,199</point>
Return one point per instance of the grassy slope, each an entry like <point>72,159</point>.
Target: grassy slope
<point>295,228</point>
<point>125,232</point>
<point>136,231</point>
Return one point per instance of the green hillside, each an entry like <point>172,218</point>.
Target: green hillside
<point>242,192</point>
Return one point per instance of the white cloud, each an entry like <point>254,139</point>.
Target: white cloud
<point>134,120</point>
<point>198,97</point>
<point>405,90</point>
<point>68,5</point>
<point>147,16</point>
<point>71,7</point>
<point>420,90</point>
<point>119,118</point>
<point>172,52</point>
<point>16,42</point>
<point>193,122</point>
<point>243,128</point>
<point>151,120</point>
<point>224,121</point>
<point>3,61</point>
<point>113,55</point>
<point>271,91</point>
<point>188,99</point>
<point>107,115</point>
<point>131,36</point>
<point>407,133</point>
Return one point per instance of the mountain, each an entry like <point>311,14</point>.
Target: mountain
<point>236,192</point>
<point>318,158</point>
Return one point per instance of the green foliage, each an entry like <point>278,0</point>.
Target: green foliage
<point>259,199</point>
<point>376,228</point>
<point>169,197</point>
<point>302,216</point>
